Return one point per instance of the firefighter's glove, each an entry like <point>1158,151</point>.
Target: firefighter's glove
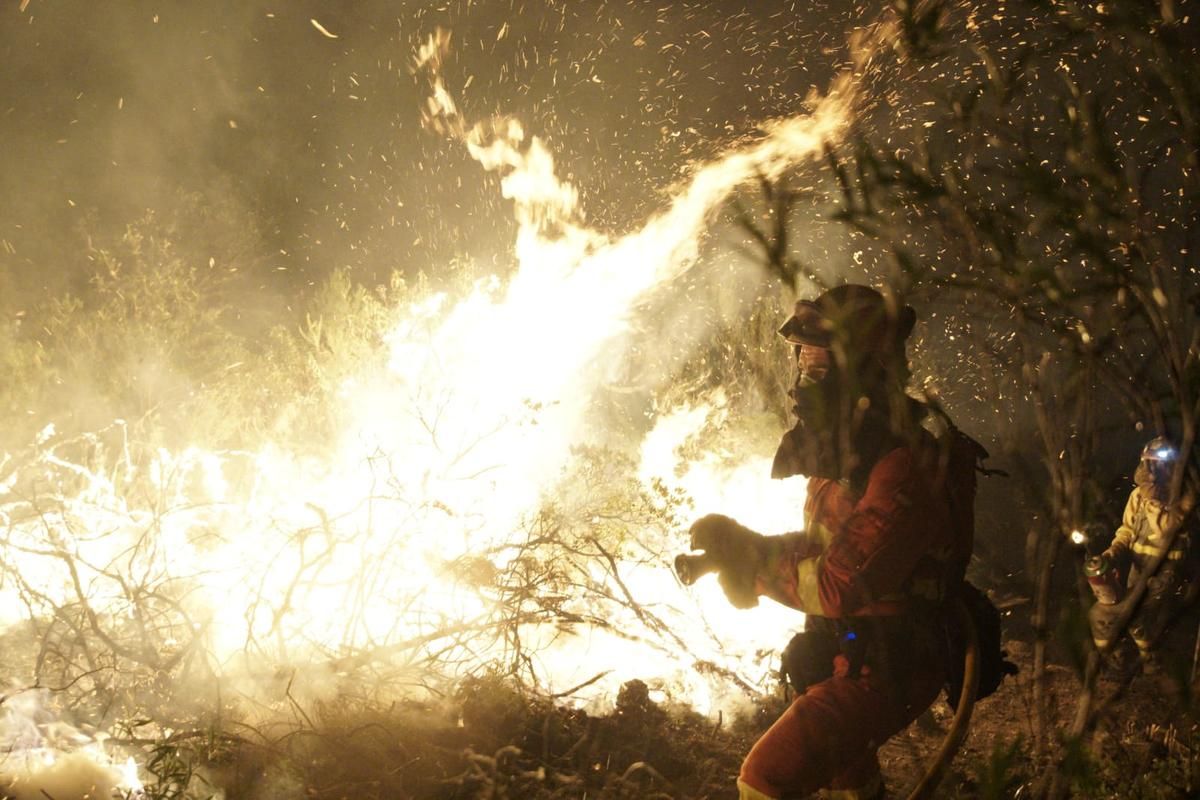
<point>736,552</point>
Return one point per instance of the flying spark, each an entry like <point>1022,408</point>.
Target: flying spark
<point>324,31</point>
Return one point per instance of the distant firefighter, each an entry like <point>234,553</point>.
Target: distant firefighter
<point>885,544</point>
<point>1142,536</point>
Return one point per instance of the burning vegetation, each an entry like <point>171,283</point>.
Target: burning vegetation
<point>410,532</point>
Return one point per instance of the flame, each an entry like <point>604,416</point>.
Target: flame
<point>735,484</point>
<point>271,558</point>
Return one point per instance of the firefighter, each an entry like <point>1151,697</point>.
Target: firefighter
<point>873,563</point>
<point>1148,520</point>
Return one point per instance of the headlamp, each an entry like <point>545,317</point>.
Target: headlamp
<point>1159,449</point>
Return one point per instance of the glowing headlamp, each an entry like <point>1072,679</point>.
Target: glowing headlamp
<point>1160,449</point>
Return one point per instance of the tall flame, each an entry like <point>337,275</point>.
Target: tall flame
<point>271,558</point>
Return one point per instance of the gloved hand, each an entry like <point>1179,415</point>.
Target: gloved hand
<point>737,552</point>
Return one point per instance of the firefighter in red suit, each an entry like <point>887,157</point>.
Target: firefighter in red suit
<point>882,542</point>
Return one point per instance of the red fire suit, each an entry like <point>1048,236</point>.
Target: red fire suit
<point>871,562</point>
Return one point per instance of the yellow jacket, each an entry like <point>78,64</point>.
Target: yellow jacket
<point>1145,524</point>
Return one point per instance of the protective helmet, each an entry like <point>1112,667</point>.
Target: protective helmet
<point>857,316</point>
<point>1160,448</point>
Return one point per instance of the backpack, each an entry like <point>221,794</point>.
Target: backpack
<point>963,459</point>
<point>993,664</point>
<point>960,461</point>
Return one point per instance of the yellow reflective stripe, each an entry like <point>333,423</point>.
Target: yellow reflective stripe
<point>808,593</point>
<point>820,533</point>
<point>748,792</point>
<point>1153,550</point>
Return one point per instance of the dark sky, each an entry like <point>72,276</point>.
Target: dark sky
<point>314,144</point>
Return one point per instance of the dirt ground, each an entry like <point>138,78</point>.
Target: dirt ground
<point>1144,746</point>
<point>492,742</point>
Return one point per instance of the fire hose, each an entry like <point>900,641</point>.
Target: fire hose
<point>962,714</point>
<point>691,567</point>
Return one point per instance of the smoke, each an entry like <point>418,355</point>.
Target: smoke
<point>46,757</point>
<point>313,140</point>
<point>277,155</point>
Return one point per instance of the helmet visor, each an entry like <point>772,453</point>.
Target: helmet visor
<point>807,326</point>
